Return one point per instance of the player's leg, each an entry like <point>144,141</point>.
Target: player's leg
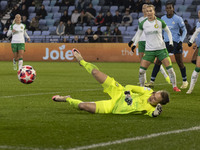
<point>87,106</point>
<point>165,59</point>
<point>15,52</point>
<point>162,70</point>
<point>15,60</point>
<point>104,106</point>
<point>195,54</point>
<point>194,76</point>
<point>91,68</point>
<point>179,60</point>
<point>141,49</point>
<point>142,71</point>
<point>21,49</point>
<point>20,55</point>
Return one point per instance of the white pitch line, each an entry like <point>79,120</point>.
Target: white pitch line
<point>134,138</point>
<point>137,138</point>
<point>35,94</point>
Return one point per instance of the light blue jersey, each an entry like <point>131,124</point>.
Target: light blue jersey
<point>175,24</point>
<point>198,37</point>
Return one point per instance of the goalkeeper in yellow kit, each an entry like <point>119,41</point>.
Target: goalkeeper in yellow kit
<point>124,100</point>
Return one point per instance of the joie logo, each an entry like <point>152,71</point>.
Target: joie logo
<point>56,54</point>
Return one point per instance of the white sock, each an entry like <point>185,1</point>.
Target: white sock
<point>142,76</point>
<point>172,76</point>
<point>162,70</point>
<point>145,77</point>
<point>20,64</point>
<point>194,78</point>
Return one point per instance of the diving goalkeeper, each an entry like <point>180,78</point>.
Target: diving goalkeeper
<point>124,100</point>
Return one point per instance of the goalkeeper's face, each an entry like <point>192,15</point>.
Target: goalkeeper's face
<point>155,98</point>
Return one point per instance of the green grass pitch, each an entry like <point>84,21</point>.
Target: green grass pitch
<point>30,120</point>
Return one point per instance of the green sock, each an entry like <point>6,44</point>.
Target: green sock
<point>73,102</point>
<point>88,66</point>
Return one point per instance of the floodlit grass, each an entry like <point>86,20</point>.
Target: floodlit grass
<point>29,119</point>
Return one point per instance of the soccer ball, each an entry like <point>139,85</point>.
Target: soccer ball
<point>26,74</point>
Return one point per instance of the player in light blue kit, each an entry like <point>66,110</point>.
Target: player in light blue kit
<point>175,24</point>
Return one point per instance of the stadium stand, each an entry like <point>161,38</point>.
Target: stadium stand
<point>55,8</point>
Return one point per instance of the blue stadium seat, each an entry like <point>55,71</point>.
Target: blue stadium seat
<point>45,33</point>
<point>95,2</point>
<point>29,33</point>
<point>103,28</point>
<point>3,4</point>
<point>179,2</point>
<point>188,2</point>
<point>53,2</point>
<point>131,28</point>
<point>43,28</point>
<point>94,28</point>
<point>42,22</point>
<point>113,8</point>
<point>79,30</point>
<point>46,3</point>
<point>52,28</point>
<point>186,14</point>
<point>97,8</point>
<point>55,9</point>
<point>135,22</point>
<point>48,9</point>
<point>50,22</point>
<point>37,33</point>
<point>57,16</point>
<point>32,15</point>
<point>85,28</point>
<point>70,9</point>
<point>134,15</point>
<point>122,29</point>
<point>31,9</point>
<point>183,8</point>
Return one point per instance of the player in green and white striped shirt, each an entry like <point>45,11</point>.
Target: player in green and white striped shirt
<point>18,31</point>
<point>155,46</point>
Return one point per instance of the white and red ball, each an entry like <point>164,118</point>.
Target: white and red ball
<point>27,74</point>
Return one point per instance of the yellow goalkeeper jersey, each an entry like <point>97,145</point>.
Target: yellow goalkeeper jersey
<point>139,105</point>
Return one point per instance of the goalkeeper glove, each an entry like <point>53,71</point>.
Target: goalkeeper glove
<point>157,111</point>
<point>128,98</point>
<point>130,43</point>
<point>133,48</point>
<point>189,44</point>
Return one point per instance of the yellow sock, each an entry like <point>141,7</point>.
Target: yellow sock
<point>88,66</point>
<point>73,102</point>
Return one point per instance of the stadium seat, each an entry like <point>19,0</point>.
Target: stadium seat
<point>42,22</point>
<point>179,13</point>
<point>48,9</point>
<point>140,15</point>
<point>179,2</point>
<point>45,33</point>
<point>50,22</point>
<point>191,8</point>
<point>97,8</point>
<point>46,3</point>
<point>53,2</point>
<point>183,8</point>
<point>122,29</point>
<point>94,28</point>
<point>56,16</point>
<point>79,30</point>
<point>188,2</point>
<point>52,28</point>
<point>31,9</point>
<point>37,33</point>
<point>85,28</point>
<point>135,22</point>
<point>31,16</point>
<point>186,14</point>
<point>95,2</point>
<point>3,4</point>
<point>134,15</point>
<point>191,22</point>
<point>29,33</point>
<point>43,28</point>
<point>55,9</point>
<point>70,9</point>
<point>103,28</point>
<point>113,8</point>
